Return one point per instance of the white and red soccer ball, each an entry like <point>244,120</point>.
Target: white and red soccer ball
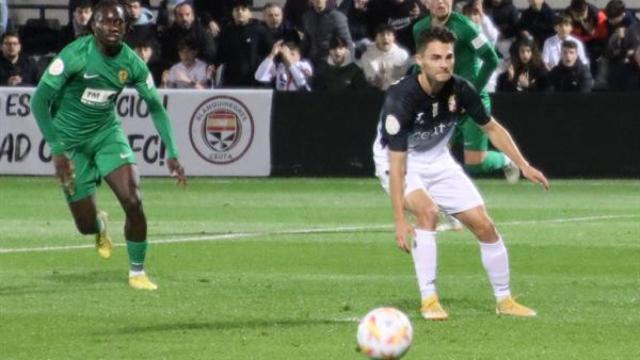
<point>385,333</point>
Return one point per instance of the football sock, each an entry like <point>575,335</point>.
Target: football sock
<point>424,255</point>
<point>492,162</point>
<point>99,225</point>
<point>137,251</point>
<point>496,262</point>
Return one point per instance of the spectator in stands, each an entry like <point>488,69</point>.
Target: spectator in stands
<point>319,24</point>
<point>570,75</point>
<point>4,16</point>
<point>272,16</point>
<point>145,48</point>
<point>537,21</point>
<point>589,26</point>
<point>140,15</point>
<point>628,78</point>
<point>401,15</point>
<point>187,25</point>
<point>526,72</point>
<point>504,14</point>
<point>617,52</point>
<point>294,10</point>
<point>243,45</point>
<point>384,62</point>
<point>216,14</point>
<point>552,50</point>
<point>285,66</point>
<point>16,69</point>
<point>190,72</point>
<point>361,24</point>
<point>79,23</point>
<point>339,72</point>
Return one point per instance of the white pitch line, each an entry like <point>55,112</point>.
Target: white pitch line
<point>231,236</point>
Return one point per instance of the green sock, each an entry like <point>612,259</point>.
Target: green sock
<point>493,161</point>
<point>137,251</point>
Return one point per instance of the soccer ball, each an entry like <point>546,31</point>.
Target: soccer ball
<point>385,333</point>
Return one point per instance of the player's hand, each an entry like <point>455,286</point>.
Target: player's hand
<point>65,172</point>
<point>403,229</point>
<point>535,176</point>
<point>176,170</point>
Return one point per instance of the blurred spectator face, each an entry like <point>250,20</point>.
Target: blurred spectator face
<point>384,40</point>
<point>440,8</point>
<point>360,4</point>
<point>135,9</point>
<point>564,29</point>
<point>473,13</point>
<point>187,55</point>
<point>524,52</point>
<point>294,54</point>
<point>273,16</point>
<point>569,56</point>
<point>241,15</point>
<point>82,15</point>
<point>184,16</point>
<point>338,55</point>
<point>11,47</point>
<point>145,52</point>
<point>616,20</point>
<point>536,4</point>
<point>319,5</point>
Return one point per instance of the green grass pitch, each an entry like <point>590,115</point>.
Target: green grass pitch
<point>282,268</point>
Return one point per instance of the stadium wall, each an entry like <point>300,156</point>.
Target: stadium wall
<point>262,133</point>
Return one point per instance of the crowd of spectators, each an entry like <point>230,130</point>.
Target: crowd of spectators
<point>328,45</point>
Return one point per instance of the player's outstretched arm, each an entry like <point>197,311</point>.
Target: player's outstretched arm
<point>502,140</point>
<point>397,169</point>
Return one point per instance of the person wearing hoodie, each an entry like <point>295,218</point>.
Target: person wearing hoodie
<point>570,75</point>
<point>339,72</point>
<point>537,21</point>
<point>243,46</point>
<point>384,62</point>
<point>319,24</point>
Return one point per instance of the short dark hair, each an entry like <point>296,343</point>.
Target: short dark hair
<point>435,33</point>
<point>82,4</point>
<point>187,42</point>
<point>384,28</point>
<point>337,41</point>
<point>563,19</point>
<point>241,3</point>
<point>272,5</point>
<point>292,45</point>
<point>10,33</point>
<point>569,44</point>
<point>615,8</point>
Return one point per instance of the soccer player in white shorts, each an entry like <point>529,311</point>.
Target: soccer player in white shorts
<point>415,167</point>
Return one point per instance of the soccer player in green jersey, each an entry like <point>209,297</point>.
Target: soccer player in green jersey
<point>476,60</point>
<point>74,106</point>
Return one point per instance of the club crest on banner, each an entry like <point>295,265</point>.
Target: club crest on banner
<point>221,130</point>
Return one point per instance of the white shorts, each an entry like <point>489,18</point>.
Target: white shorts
<point>449,186</point>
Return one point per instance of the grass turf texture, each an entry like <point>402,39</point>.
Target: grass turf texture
<point>275,294</point>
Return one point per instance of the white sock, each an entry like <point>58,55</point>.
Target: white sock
<point>496,262</point>
<point>133,273</point>
<point>424,255</point>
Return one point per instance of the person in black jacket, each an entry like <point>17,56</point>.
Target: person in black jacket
<point>628,78</point>
<point>339,72</point>
<point>15,68</point>
<point>78,22</point>
<point>527,72</point>
<point>504,15</point>
<point>243,45</point>
<point>537,21</point>
<point>186,25</point>
<point>570,75</point>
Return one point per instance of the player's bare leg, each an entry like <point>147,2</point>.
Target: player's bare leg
<point>495,260</point>
<point>424,252</point>
<point>124,182</point>
<point>90,221</point>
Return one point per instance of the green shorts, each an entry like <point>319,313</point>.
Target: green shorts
<point>96,159</point>
<point>469,133</point>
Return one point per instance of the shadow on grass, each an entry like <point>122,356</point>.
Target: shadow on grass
<point>234,325</point>
<point>91,277</point>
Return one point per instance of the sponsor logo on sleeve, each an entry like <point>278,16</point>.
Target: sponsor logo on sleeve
<point>150,83</point>
<point>479,41</point>
<point>57,67</point>
<point>391,124</point>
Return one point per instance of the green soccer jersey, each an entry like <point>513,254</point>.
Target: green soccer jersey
<point>86,84</point>
<point>475,58</point>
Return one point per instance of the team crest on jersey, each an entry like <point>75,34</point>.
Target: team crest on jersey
<point>57,67</point>
<point>221,130</point>
<point>452,103</point>
<point>123,76</point>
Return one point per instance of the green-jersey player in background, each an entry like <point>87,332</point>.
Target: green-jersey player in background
<point>476,60</point>
<point>74,106</point>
